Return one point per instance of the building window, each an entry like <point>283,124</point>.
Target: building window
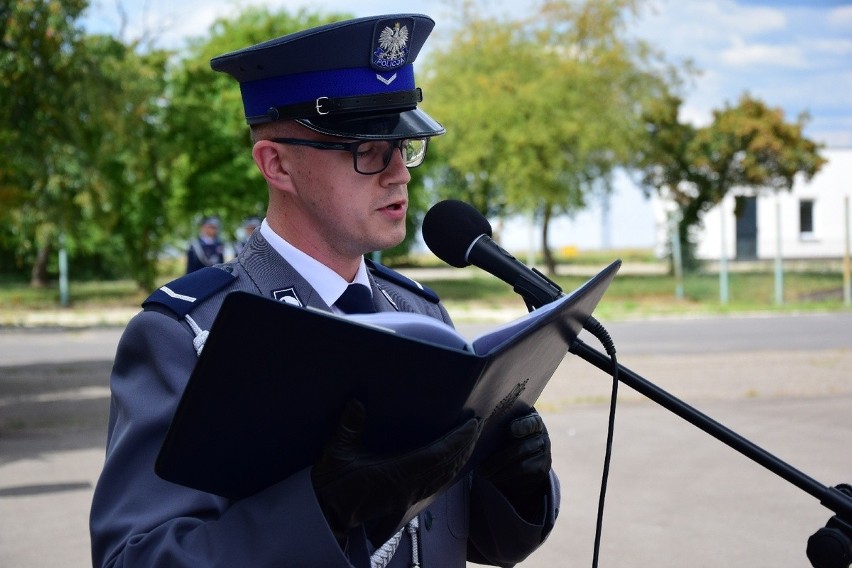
<point>806,218</point>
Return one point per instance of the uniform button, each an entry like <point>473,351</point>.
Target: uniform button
<point>427,520</point>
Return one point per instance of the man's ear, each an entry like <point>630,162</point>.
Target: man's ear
<point>271,163</point>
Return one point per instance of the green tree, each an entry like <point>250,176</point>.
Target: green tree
<point>749,146</point>
<point>39,172</point>
<point>540,111</point>
<point>213,168</point>
<point>129,155</point>
<point>80,139</point>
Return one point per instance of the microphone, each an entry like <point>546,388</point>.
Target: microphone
<point>460,235</point>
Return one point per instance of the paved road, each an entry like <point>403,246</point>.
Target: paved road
<point>673,336</point>
<point>676,496</point>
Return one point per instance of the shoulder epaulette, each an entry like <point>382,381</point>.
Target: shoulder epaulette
<point>183,294</point>
<point>404,281</point>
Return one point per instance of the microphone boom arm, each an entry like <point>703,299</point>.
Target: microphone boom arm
<point>830,497</point>
<point>830,546</point>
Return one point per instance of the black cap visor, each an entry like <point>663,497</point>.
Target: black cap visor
<point>412,123</point>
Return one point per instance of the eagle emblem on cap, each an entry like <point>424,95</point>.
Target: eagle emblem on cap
<point>392,48</point>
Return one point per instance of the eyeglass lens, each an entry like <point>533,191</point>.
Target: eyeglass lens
<point>373,156</point>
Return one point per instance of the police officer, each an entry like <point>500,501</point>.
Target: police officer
<point>206,249</point>
<point>335,125</point>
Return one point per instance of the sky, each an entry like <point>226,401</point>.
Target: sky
<point>792,54</point>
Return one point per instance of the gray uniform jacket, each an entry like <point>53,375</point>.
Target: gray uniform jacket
<point>138,519</point>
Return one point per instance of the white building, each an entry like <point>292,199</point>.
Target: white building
<point>809,222</point>
<point>812,220</point>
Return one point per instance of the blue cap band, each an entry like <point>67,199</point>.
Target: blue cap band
<point>260,95</point>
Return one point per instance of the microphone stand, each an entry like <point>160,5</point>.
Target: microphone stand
<point>830,546</point>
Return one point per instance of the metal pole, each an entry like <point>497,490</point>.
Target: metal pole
<point>63,272</point>
<point>606,229</point>
<point>779,272</point>
<point>847,277</point>
<point>723,257</point>
<point>677,257</point>
<point>531,248</point>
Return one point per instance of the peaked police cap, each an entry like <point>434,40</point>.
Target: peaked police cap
<point>352,79</point>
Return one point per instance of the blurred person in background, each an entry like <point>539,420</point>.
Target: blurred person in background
<point>248,227</point>
<point>206,249</point>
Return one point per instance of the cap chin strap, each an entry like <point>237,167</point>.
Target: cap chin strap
<point>323,106</point>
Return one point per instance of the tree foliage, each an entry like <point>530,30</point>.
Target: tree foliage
<point>115,148</point>
<point>39,170</point>
<point>748,146</point>
<point>80,141</point>
<point>540,110</point>
<point>129,156</point>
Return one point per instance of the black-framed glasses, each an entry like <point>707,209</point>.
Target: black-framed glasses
<point>370,156</point>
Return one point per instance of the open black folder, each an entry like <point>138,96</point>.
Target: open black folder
<point>271,383</point>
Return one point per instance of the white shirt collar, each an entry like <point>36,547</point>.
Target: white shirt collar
<point>328,283</point>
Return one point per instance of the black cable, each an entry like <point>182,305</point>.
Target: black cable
<point>594,327</point>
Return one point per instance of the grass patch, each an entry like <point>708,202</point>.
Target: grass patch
<point>630,295</point>
<point>645,295</point>
<point>110,293</point>
<point>471,289</point>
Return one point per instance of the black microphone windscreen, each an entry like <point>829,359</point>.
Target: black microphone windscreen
<point>450,227</point>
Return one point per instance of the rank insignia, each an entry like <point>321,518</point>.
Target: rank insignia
<point>288,296</point>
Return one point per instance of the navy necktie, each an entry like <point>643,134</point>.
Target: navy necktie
<point>357,299</point>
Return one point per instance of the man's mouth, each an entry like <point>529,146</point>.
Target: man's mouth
<point>396,206</point>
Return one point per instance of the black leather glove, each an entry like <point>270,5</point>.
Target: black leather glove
<point>356,487</point>
<point>520,467</point>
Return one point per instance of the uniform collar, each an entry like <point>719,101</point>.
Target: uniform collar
<point>327,283</point>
